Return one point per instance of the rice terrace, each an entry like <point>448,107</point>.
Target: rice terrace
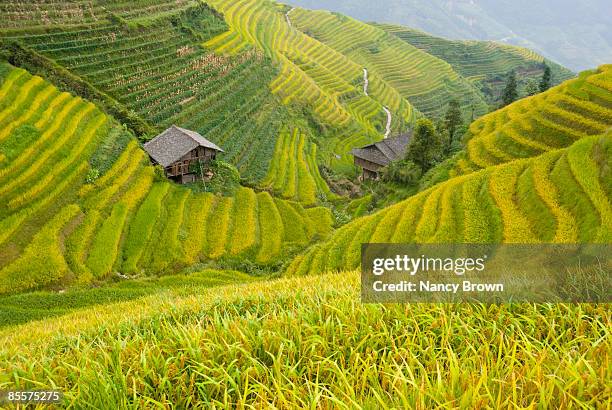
<point>186,188</point>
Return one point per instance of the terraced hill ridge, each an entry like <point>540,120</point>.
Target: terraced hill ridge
<point>484,63</point>
<point>44,13</point>
<point>554,119</point>
<point>56,229</point>
<point>563,196</point>
<point>160,72</point>
<point>294,173</point>
<point>423,79</point>
<point>311,339</point>
<point>315,76</point>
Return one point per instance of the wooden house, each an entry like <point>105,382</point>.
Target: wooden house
<point>373,157</point>
<point>179,151</point>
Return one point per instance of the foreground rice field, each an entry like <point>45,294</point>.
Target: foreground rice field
<point>309,343</point>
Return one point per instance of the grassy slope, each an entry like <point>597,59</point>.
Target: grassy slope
<point>484,63</point>
<point>307,343</point>
<point>423,79</point>
<point>562,196</point>
<point>57,230</point>
<point>575,109</point>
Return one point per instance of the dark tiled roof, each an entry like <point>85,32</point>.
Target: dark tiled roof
<point>385,151</point>
<point>172,144</point>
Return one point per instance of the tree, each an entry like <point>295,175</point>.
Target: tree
<point>424,145</point>
<point>532,87</point>
<point>510,93</point>
<point>546,81</point>
<point>452,121</point>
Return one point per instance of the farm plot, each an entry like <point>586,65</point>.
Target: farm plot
<point>294,173</point>
<point>562,196</point>
<point>161,73</point>
<point>122,221</point>
<point>480,61</point>
<point>555,119</point>
<point>421,78</point>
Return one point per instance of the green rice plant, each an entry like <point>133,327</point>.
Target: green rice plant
<point>220,219</point>
<point>294,226</point>
<point>482,219</point>
<point>244,233</point>
<point>168,247</point>
<point>77,245</point>
<point>509,203</point>
<point>566,228</point>
<point>195,226</point>
<point>88,137</point>
<point>502,186</point>
<point>550,120</point>
<point>42,262</point>
<point>141,227</point>
<point>311,340</point>
<point>271,231</point>
<point>105,245</point>
<point>586,172</point>
<point>487,60</point>
<point>321,219</point>
<point>541,219</point>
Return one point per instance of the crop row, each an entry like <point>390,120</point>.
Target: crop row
<point>312,73</point>
<point>160,72</point>
<point>477,60</point>
<point>20,14</point>
<point>294,173</point>
<point>562,196</point>
<point>537,124</point>
<point>424,80</point>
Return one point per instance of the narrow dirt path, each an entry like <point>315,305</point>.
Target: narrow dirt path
<point>388,128</point>
<point>287,16</point>
<point>365,81</point>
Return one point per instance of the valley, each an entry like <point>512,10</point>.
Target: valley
<point>125,289</point>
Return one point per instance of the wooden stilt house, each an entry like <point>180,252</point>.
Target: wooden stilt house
<point>181,152</point>
<point>373,157</point>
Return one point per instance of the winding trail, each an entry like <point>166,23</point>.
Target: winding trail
<point>388,128</point>
<point>365,81</point>
<point>287,16</point>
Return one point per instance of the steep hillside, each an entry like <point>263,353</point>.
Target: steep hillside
<point>308,343</point>
<point>424,80</point>
<point>576,34</point>
<point>314,75</point>
<point>485,64</point>
<point>57,228</point>
<point>547,121</point>
<point>41,13</point>
<point>159,71</point>
<point>562,196</point>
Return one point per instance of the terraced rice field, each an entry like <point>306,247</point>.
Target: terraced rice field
<point>33,13</point>
<point>56,229</point>
<point>313,74</point>
<point>294,173</point>
<point>555,119</point>
<point>562,196</point>
<point>161,73</point>
<point>421,78</point>
<point>480,60</point>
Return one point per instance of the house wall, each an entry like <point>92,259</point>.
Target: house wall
<point>181,167</point>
